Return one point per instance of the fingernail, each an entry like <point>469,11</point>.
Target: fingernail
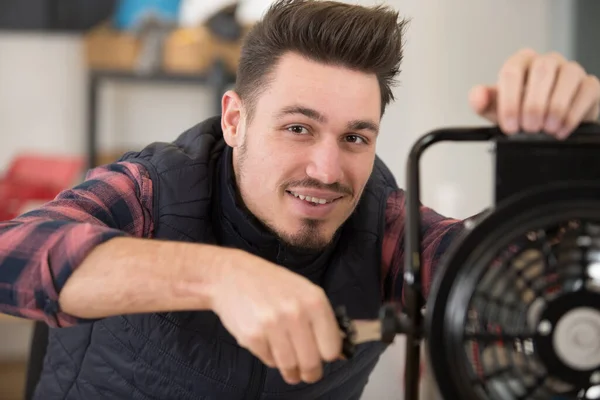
<point>562,134</point>
<point>511,125</point>
<point>531,123</point>
<point>552,124</point>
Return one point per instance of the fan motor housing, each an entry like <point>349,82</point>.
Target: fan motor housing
<point>527,162</point>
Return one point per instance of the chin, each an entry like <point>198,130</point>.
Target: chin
<point>308,234</point>
<point>309,244</point>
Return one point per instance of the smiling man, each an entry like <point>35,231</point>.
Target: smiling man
<point>209,267</point>
<point>317,128</point>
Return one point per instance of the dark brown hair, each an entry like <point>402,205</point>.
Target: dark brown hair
<point>366,39</point>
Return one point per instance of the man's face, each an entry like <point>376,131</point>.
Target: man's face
<point>302,161</point>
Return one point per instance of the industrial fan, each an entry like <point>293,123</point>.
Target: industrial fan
<point>514,310</point>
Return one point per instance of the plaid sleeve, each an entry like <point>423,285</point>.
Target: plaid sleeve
<point>437,234</point>
<point>39,250</point>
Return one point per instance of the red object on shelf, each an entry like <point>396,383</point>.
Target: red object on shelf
<point>32,178</point>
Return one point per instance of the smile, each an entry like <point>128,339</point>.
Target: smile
<point>312,199</point>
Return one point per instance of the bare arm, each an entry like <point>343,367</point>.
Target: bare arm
<point>131,275</point>
<point>281,317</point>
<point>90,254</point>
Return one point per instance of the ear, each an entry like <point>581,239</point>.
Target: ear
<point>231,119</point>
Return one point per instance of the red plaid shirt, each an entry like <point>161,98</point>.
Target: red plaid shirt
<point>40,249</point>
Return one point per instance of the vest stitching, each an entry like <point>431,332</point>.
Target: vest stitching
<point>53,368</point>
<point>87,346</point>
<point>65,349</point>
<point>166,320</point>
<point>137,358</point>
<point>176,230</point>
<point>173,358</point>
<point>92,386</point>
<point>127,382</point>
<point>54,372</point>
<point>205,200</point>
<point>171,169</point>
<point>174,385</point>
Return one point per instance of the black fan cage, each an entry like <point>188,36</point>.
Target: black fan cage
<point>517,312</point>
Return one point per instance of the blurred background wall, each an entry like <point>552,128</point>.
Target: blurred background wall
<point>450,46</point>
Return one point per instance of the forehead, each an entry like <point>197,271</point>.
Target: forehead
<point>338,92</point>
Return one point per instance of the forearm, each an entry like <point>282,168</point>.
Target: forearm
<point>130,275</point>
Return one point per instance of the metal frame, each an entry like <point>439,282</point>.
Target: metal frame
<point>415,300</point>
<point>218,78</point>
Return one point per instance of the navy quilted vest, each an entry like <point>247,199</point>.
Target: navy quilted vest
<point>190,355</point>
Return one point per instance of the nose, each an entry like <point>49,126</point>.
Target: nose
<point>326,162</point>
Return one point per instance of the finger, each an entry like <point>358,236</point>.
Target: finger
<point>307,352</point>
<point>585,99</point>
<point>540,83</point>
<point>263,352</point>
<point>284,355</point>
<point>326,329</point>
<point>510,90</point>
<point>569,79</point>
<point>259,346</point>
<point>483,101</point>
<point>594,112</point>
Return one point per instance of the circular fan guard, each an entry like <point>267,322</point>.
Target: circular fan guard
<point>515,312</point>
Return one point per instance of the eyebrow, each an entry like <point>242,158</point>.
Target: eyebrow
<point>361,125</point>
<point>307,112</point>
<point>355,125</point>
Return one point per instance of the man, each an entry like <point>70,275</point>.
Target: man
<point>261,220</point>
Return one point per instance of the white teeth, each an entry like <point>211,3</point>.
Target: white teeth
<point>310,199</point>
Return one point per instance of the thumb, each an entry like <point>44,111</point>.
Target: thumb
<point>483,101</point>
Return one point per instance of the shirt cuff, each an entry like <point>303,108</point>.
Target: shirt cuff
<point>64,257</point>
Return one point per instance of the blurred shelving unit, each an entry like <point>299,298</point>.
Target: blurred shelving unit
<point>218,78</point>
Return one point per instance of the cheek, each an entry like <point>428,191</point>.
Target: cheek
<point>266,169</point>
<point>359,170</point>
<point>281,163</point>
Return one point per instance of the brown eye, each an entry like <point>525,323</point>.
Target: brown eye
<point>355,139</point>
<point>297,129</point>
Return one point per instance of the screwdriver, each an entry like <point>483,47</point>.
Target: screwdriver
<point>391,322</point>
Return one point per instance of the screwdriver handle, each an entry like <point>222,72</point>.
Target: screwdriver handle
<point>393,321</point>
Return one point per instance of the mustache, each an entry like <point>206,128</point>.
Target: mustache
<point>336,187</point>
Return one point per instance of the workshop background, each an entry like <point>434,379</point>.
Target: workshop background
<point>82,81</point>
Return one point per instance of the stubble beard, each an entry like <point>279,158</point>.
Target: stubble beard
<point>308,238</point>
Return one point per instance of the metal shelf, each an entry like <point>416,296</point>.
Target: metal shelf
<point>218,78</point>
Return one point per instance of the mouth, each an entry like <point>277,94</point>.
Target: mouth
<point>312,200</point>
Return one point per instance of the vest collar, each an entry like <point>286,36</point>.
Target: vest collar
<point>237,227</point>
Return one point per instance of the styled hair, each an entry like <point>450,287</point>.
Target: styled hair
<point>365,39</point>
